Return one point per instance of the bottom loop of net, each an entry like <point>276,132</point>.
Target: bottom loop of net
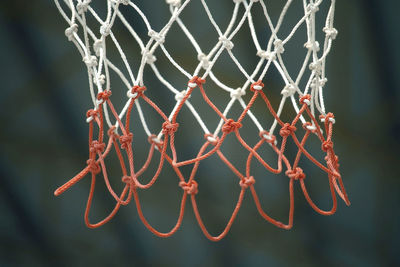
<point>99,150</point>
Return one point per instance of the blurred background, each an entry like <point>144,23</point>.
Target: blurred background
<point>44,97</point>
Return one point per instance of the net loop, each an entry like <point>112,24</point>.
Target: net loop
<point>91,114</point>
<point>126,140</point>
<point>112,132</point>
<point>257,86</point>
<point>231,126</point>
<point>296,173</point>
<point>128,180</point>
<point>308,126</point>
<point>94,167</point>
<point>287,129</point>
<point>330,117</point>
<point>212,139</point>
<point>190,188</point>
<point>153,139</point>
<point>136,91</point>
<point>246,182</point>
<point>169,128</point>
<point>269,138</point>
<point>196,81</point>
<point>305,99</point>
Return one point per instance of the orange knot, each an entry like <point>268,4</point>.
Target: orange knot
<point>212,139</point>
<point>296,174</point>
<point>230,126</point>
<point>335,160</point>
<point>191,187</point>
<point>94,167</point>
<point>112,131</point>
<point>246,182</point>
<point>196,81</point>
<point>126,140</point>
<point>128,180</point>
<point>287,129</point>
<point>327,145</point>
<point>91,113</point>
<point>169,128</point>
<point>138,90</point>
<point>268,137</point>
<point>105,95</point>
<point>97,147</point>
<point>305,99</point>
<point>257,86</point>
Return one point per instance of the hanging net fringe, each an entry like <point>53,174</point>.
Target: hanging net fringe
<point>110,131</point>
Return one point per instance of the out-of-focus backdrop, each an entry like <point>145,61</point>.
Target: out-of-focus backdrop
<point>44,96</point>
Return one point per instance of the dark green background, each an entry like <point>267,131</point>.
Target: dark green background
<point>43,142</point>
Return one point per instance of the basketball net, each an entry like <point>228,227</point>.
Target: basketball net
<point>111,130</point>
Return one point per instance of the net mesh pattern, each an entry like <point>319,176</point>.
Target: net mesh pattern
<point>112,131</point>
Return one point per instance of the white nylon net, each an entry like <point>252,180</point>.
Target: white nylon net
<point>93,43</point>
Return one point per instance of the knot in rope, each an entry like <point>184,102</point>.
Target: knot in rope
<point>257,86</point>
<point>126,140</point>
<point>191,187</point>
<point>112,131</point>
<point>246,182</point>
<point>94,167</point>
<point>305,99</point>
<point>97,147</point>
<point>136,91</point>
<point>91,114</point>
<point>212,139</point>
<point>128,180</point>
<point>330,117</point>
<point>196,81</point>
<point>268,137</point>
<point>287,129</point>
<point>296,174</point>
<point>104,96</point>
<point>327,145</point>
<point>230,126</point>
<point>169,128</point>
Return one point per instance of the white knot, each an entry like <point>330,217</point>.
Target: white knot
<point>311,127</point>
<point>288,90</point>
<point>180,96</point>
<point>238,93</point>
<point>101,79</point>
<point>159,38</point>
<point>330,32</point>
<point>90,61</point>
<point>69,32</point>
<point>316,66</point>
<point>149,57</point>
<point>266,55</point>
<point>279,49</point>
<point>312,8</point>
<point>205,63</point>
<point>314,46</point>
<point>123,2</point>
<point>97,45</point>
<point>174,2</point>
<point>226,42</point>
<point>82,7</point>
<point>105,29</point>
<point>254,1</point>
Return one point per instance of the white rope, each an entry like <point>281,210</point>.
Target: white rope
<point>93,44</point>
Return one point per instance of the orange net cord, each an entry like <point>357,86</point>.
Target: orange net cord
<point>131,176</point>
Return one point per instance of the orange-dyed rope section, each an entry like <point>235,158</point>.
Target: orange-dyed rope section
<point>131,177</point>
